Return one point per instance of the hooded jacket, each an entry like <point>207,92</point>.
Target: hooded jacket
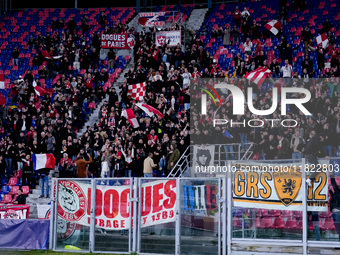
<point>173,156</point>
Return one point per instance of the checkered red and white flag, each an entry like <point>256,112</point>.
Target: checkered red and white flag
<point>323,40</point>
<point>273,26</point>
<point>258,75</point>
<point>137,91</point>
<point>131,117</point>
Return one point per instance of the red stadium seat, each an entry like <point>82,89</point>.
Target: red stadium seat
<point>18,173</point>
<point>12,181</point>
<point>267,223</point>
<point>14,190</point>
<point>275,213</point>
<point>286,213</point>
<point>25,190</point>
<point>279,223</point>
<point>291,223</point>
<point>327,225</point>
<point>7,199</point>
<point>262,213</point>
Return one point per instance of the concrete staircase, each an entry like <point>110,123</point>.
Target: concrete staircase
<point>33,198</point>
<point>196,18</point>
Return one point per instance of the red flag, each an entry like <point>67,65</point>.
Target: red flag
<point>149,110</point>
<point>2,81</point>
<point>2,99</point>
<point>131,117</point>
<point>258,75</point>
<point>273,26</point>
<point>137,91</point>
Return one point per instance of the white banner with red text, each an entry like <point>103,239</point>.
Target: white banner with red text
<point>118,41</point>
<point>14,211</point>
<point>113,204</point>
<point>171,38</point>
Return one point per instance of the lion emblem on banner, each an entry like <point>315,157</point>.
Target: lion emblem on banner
<point>287,184</point>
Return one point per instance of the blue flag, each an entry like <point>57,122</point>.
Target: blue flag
<point>227,134</point>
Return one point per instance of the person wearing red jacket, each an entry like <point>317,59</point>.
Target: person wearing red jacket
<point>237,16</point>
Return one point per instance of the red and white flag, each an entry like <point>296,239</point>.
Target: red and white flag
<point>2,99</point>
<point>48,56</point>
<point>43,161</point>
<point>258,75</point>
<point>131,117</point>
<point>2,81</point>
<point>137,91</point>
<point>39,90</point>
<point>274,26</point>
<point>323,40</point>
<point>149,110</point>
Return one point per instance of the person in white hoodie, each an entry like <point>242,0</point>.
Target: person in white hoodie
<point>287,72</point>
<point>186,78</point>
<point>247,45</point>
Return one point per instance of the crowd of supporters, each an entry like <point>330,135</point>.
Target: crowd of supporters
<point>112,147</point>
<point>270,140</point>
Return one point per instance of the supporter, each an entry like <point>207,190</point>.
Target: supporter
<point>237,16</point>
<point>306,36</point>
<point>20,199</point>
<point>44,173</point>
<point>66,167</point>
<point>287,72</point>
<point>148,165</point>
<point>15,56</point>
<point>81,164</point>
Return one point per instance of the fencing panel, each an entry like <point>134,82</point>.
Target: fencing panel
<point>157,216</point>
<point>113,225</point>
<point>72,232</point>
<point>200,216</point>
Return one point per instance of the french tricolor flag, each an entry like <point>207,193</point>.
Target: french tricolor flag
<point>43,161</point>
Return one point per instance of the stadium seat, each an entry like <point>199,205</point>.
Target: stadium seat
<point>18,173</point>
<point>267,222</point>
<point>12,181</point>
<point>287,213</point>
<point>14,190</point>
<point>262,213</point>
<point>25,190</point>
<point>328,224</point>
<point>7,199</point>
<point>279,223</point>
<point>5,190</point>
<point>291,223</point>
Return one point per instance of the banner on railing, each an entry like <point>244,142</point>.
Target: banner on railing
<point>44,211</point>
<point>118,41</point>
<point>203,159</point>
<point>200,200</point>
<point>171,38</point>
<point>14,211</point>
<point>113,204</point>
<point>277,186</point>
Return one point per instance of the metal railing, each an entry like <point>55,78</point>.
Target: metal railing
<point>192,229</point>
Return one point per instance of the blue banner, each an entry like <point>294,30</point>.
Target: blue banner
<point>24,234</point>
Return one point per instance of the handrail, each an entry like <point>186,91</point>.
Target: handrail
<point>178,166</point>
<point>248,150</point>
